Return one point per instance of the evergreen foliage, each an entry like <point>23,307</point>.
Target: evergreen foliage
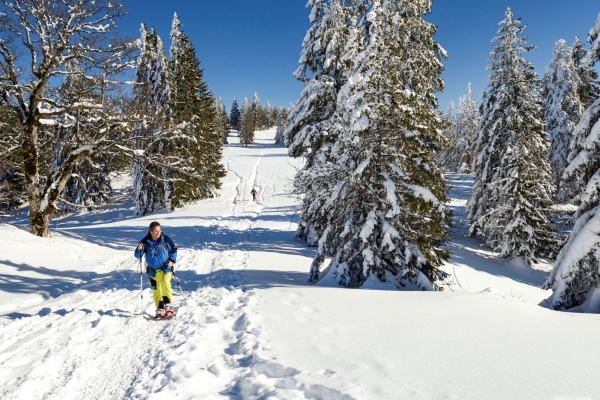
<point>589,88</point>
<point>178,138</point>
<point>575,278</point>
<point>192,110</point>
<point>377,191</point>
<point>586,164</point>
<point>467,120</point>
<point>281,123</point>
<point>509,206</point>
<point>151,92</point>
<point>247,124</point>
<point>221,120</point>
<point>448,157</point>
<point>269,116</point>
<point>589,92</point>
<point>562,109</point>
<point>323,69</point>
<point>235,117</point>
<point>258,113</point>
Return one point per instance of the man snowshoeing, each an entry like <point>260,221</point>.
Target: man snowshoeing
<point>253,192</point>
<point>161,254</point>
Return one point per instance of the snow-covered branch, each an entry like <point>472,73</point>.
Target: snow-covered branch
<point>63,121</point>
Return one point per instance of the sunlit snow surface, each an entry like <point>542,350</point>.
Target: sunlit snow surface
<point>251,327</point>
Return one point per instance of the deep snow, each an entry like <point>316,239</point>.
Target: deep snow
<point>250,326</point>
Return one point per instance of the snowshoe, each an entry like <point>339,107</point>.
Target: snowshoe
<point>160,314</point>
<point>169,312</point>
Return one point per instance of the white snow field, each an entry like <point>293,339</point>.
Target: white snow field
<point>251,327</point>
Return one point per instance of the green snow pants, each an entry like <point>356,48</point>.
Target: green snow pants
<point>161,284</point>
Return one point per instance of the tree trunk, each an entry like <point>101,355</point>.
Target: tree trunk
<point>39,224</point>
<point>38,221</point>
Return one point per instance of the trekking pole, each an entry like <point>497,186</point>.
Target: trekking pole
<point>141,287</point>
<point>177,280</point>
<point>178,285</point>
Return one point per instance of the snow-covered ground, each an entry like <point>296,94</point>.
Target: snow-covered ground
<point>251,327</point>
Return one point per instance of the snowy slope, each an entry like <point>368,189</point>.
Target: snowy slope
<point>249,326</point>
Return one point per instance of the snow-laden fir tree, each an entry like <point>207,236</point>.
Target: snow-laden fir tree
<point>225,122</point>
<point>589,88</point>
<point>281,123</point>
<point>221,120</point>
<point>447,157</point>
<point>269,116</point>
<point>247,124</point>
<point>589,92</point>
<point>467,120</point>
<point>381,187</point>
<point>562,109</point>
<point>198,144</point>
<point>323,70</point>
<point>151,92</point>
<point>460,130</point>
<point>258,113</point>
<point>509,206</point>
<point>235,116</point>
<point>575,279</point>
<point>264,118</point>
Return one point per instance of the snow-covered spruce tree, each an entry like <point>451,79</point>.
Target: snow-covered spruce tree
<point>382,189</point>
<point>511,194</point>
<point>589,88</point>
<point>151,93</point>
<point>258,113</point>
<point>39,39</point>
<point>265,118</point>
<point>460,131</point>
<point>225,122</point>
<point>589,92</point>
<point>199,145</point>
<point>467,120</point>
<point>323,70</point>
<point>235,117</point>
<point>575,279</point>
<point>275,111</point>
<point>247,124</point>
<point>269,116</point>
<point>221,120</point>
<point>447,158</point>
<point>281,122</point>
<point>562,109</point>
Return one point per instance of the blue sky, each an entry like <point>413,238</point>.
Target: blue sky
<point>254,46</point>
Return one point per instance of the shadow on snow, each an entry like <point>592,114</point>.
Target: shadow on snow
<point>52,284</point>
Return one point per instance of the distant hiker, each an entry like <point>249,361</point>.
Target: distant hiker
<point>254,192</point>
<point>161,254</point>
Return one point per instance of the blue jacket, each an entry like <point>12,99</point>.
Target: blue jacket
<point>158,253</point>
